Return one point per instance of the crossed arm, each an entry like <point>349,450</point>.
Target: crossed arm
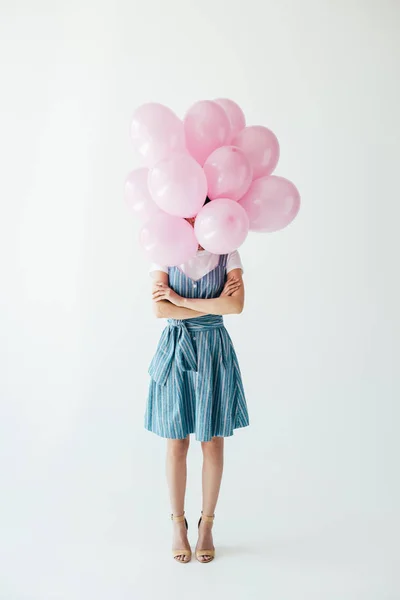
<point>168,304</point>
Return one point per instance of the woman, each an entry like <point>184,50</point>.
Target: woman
<point>196,385</point>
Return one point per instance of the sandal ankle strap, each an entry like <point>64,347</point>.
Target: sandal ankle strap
<point>207,518</point>
<point>178,518</point>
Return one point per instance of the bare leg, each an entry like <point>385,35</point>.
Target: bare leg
<point>213,464</point>
<point>176,471</point>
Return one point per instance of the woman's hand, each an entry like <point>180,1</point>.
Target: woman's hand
<point>230,287</point>
<point>162,291</point>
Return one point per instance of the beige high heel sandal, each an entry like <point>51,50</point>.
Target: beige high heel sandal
<point>183,551</point>
<point>204,552</point>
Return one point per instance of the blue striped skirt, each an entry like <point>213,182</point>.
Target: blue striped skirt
<point>196,384</point>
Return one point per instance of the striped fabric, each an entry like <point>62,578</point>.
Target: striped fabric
<point>196,385</point>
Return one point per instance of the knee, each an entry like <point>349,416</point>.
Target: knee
<point>177,449</point>
<point>214,449</point>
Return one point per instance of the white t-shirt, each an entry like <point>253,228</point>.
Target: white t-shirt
<point>203,263</point>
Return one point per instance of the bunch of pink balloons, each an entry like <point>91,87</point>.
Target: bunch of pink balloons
<point>212,155</point>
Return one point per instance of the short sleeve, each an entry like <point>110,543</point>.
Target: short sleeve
<point>157,267</point>
<point>234,261</point>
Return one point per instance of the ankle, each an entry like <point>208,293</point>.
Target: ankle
<point>207,517</point>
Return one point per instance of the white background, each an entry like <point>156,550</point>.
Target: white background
<point>310,495</point>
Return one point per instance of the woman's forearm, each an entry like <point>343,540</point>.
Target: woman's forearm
<point>166,310</point>
<point>225,305</point>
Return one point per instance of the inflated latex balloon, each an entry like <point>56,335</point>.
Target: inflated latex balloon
<point>234,113</point>
<point>228,172</point>
<point>168,240</point>
<point>137,195</point>
<point>207,128</point>
<point>271,203</point>
<point>221,226</point>
<point>261,148</point>
<point>212,155</point>
<point>156,132</point>
<point>178,185</point>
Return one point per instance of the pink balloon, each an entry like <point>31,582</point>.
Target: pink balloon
<point>261,148</point>
<point>206,129</point>
<point>221,226</point>
<point>228,172</point>
<point>178,185</point>
<point>235,115</point>
<point>168,240</point>
<point>156,131</point>
<point>138,197</point>
<point>271,203</point>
